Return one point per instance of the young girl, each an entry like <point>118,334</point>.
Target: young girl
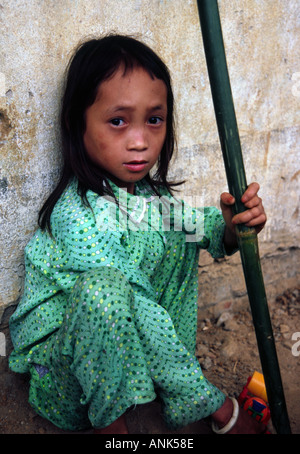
<point>109,313</point>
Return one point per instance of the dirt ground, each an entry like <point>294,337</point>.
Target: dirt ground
<point>227,352</point>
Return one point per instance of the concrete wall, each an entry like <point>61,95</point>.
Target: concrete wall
<point>262,43</point>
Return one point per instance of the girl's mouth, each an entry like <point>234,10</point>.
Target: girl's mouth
<point>135,166</point>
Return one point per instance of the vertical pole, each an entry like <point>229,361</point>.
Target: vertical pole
<point>236,178</point>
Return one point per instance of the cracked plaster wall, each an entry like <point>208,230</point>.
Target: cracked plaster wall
<point>262,44</point>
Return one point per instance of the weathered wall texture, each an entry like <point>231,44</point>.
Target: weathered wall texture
<point>262,42</point>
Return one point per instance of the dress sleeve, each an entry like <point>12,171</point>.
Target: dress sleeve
<point>214,230</point>
<point>203,226</point>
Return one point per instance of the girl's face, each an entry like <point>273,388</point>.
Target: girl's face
<point>126,126</point>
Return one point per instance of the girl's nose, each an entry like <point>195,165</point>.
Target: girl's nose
<point>137,139</point>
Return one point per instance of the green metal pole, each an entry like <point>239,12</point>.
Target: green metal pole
<point>236,178</point>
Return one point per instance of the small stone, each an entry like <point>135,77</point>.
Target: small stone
<point>201,350</point>
<point>230,349</point>
<point>224,317</point>
<point>284,328</point>
<point>231,325</point>
<point>207,363</point>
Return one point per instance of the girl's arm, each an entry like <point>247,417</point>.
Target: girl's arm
<point>254,216</point>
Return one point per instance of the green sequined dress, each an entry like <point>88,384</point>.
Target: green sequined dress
<point>109,312</point>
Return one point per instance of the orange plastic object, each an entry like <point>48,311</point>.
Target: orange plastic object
<point>257,387</point>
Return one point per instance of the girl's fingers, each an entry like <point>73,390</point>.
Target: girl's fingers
<point>227,198</point>
<point>249,198</point>
<point>250,192</point>
<point>254,215</point>
<point>260,220</point>
<point>254,201</point>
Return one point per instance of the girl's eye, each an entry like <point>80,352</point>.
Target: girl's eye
<point>117,122</point>
<point>155,120</point>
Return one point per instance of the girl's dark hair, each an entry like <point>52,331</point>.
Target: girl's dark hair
<point>93,62</point>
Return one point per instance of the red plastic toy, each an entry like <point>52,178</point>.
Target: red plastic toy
<point>254,399</point>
